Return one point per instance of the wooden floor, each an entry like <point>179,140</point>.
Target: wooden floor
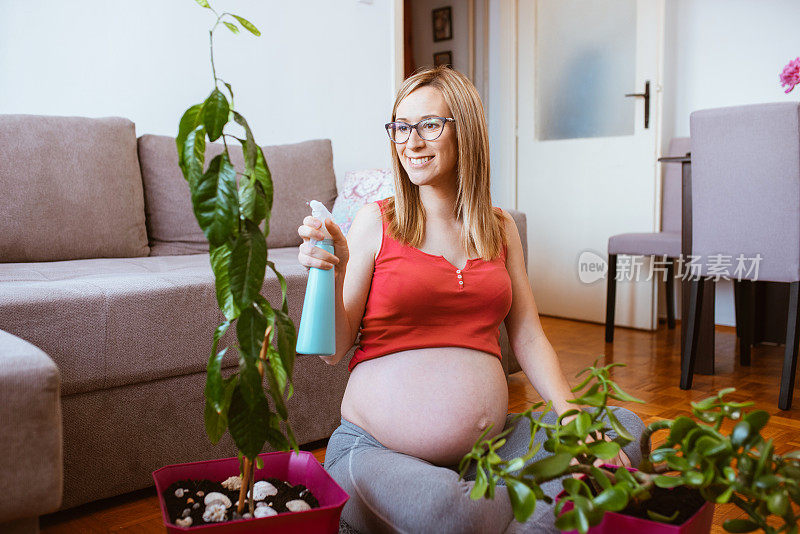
<point>652,359</point>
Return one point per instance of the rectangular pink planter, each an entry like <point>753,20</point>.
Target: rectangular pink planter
<point>616,523</point>
<point>300,468</point>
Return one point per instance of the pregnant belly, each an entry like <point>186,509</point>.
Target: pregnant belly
<point>430,403</point>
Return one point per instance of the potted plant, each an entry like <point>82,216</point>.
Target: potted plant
<point>230,207</point>
<point>698,459</point>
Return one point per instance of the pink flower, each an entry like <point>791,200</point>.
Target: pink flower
<point>791,74</point>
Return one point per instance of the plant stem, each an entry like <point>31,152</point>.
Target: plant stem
<point>246,470</point>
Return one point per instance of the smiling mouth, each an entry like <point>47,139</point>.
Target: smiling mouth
<point>418,162</point>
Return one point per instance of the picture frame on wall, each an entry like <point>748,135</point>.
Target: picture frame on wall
<point>442,24</point>
<point>443,58</point>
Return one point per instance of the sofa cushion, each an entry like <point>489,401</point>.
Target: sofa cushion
<point>360,188</point>
<point>112,322</point>
<point>71,189</point>
<point>300,172</point>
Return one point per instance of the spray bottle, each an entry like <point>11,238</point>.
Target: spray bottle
<point>317,333</point>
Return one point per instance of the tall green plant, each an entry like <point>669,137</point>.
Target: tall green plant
<point>230,207</point>
<point>740,467</point>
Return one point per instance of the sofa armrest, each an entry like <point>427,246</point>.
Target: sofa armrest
<point>31,456</point>
<point>510,363</point>
<point>522,226</point>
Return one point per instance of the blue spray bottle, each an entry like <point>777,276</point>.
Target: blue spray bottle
<point>317,333</point>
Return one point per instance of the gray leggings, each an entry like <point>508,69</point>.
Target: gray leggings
<point>394,492</point>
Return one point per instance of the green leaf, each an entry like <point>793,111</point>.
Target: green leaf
<point>287,339</point>
<point>259,463</point>
<point>567,521</point>
<point>573,486</point>
<point>623,396</point>
<point>264,177</point>
<point>777,503</point>
<point>274,435</point>
<point>192,155</point>
<point>655,516</point>
<point>481,483</point>
<point>214,390</point>
<point>582,423</point>
<point>757,420</point>
<point>232,27</point>
<point>249,425</point>
<point>663,481</point>
<point>249,146</point>
<point>203,3</point>
<point>189,122</point>
<point>612,499</point>
<point>549,467</point>
<point>740,525</point>
<point>252,200</point>
<point>680,427</point>
<point>740,434</point>
<point>618,428</point>
<point>216,422</point>
<point>215,201</point>
<point>282,282</point>
<point>248,265</point>
<point>248,25</point>
<point>523,500</point>
<point>693,478</point>
<point>215,114</point>
<point>220,262</point>
<point>604,450</point>
<point>600,476</point>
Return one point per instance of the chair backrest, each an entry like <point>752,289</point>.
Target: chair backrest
<point>671,189</point>
<point>746,189</point>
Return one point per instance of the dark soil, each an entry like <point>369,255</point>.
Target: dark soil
<point>176,506</point>
<point>686,501</point>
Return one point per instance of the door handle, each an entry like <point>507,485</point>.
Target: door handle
<point>646,96</point>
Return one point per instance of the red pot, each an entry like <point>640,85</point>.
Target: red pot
<point>617,523</point>
<point>300,468</point>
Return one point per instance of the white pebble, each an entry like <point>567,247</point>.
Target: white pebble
<point>200,494</point>
<point>215,496</point>
<point>185,522</point>
<point>298,505</point>
<point>215,512</point>
<point>179,493</point>
<point>186,512</point>
<point>264,511</point>
<point>195,506</point>
<point>232,483</point>
<point>263,489</point>
<point>246,515</point>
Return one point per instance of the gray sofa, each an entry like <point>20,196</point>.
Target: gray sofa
<point>107,306</point>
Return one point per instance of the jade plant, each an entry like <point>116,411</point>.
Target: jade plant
<point>740,466</point>
<point>230,207</point>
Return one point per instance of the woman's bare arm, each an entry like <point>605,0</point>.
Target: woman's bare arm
<point>531,347</point>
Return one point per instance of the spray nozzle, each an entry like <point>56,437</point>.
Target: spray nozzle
<point>319,211</point>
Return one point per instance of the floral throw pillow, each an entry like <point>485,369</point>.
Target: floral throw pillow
<point>360,188</point>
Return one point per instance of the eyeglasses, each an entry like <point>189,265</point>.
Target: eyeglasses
<point>428,129</point>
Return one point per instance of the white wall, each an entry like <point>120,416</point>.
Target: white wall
<point>422,31</point>
<point>725,53</point>
<point>321,69</point>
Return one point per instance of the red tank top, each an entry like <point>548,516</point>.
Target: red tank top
<point>419,300</point>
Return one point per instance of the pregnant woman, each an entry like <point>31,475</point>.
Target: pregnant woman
<point>426,277</point>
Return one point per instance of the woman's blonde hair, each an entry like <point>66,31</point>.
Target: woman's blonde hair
<point>482,227</point>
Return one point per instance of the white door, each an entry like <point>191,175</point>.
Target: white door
<point>586,163</point>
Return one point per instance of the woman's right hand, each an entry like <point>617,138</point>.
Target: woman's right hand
<point>313,256</point>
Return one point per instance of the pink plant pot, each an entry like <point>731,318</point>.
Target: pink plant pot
<point>617,523</point>
<point>300,468</point>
